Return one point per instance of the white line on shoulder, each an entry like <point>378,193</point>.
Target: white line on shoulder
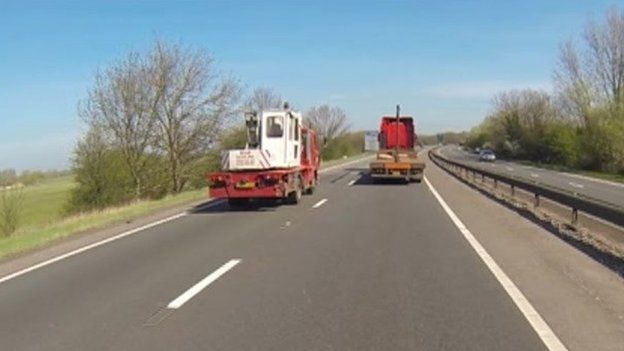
<point>539,325</point>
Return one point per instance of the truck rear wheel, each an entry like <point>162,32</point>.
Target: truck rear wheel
<point>311,188</point>
<point>295,196</point>
<point>416,178</point>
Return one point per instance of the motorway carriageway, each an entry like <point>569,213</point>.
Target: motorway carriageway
<point>355,266</point>
<point>599,189</point>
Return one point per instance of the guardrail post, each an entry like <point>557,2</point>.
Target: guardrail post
<point>513,190</point>
<point>536,201</point>
<point>574,216</point>
<point>495,183</point>
<point>482,178</point>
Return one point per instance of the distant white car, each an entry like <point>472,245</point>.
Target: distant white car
<point>487,156</point>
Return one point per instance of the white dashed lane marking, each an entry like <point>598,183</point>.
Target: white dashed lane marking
<point>319,204</point>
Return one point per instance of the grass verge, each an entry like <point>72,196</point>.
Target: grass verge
<point>34,236</point>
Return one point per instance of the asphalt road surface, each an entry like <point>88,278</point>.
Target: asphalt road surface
<point>599,189</point>
<point>373,267</point>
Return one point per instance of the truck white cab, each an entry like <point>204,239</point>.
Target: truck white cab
<point>274,142</point>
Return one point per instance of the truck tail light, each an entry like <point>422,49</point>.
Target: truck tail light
<point>268,179</point>
<point>217,181</point>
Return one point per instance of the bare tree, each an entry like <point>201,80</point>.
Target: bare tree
<point>8,177</point>
<point>263,99</point>
<point>329,122</point>
<point>595,72</point>
<point>169,103</point>
<point>122,105</point>
<point>605,56</point>
<point>195,104</point>
<point>10,209</point>
<point>574,91</point>
<point>521,120</point>
<point>533,108</point>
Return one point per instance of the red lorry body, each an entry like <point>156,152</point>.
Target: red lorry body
<point>390,137</point>
<point>272,183</point>
<point>397,157</point>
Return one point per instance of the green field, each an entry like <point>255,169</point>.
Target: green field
<point>33,236</point>
<point>44,203</point>
<point>42,218</point>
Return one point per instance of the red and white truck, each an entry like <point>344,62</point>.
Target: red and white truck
<point>280,161</point>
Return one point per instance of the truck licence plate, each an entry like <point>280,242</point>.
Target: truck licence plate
<point>245,185</point>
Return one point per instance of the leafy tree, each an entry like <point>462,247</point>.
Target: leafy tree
<point>101,173</point>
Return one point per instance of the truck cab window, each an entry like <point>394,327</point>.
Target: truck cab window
<point>296,130</point>
<point>275,127</point>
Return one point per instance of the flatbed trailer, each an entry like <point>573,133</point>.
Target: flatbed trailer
<point>397,157</point>
<point>405,166</point>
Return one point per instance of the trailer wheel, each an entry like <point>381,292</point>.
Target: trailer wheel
<point>416,179</point>
<point>311,188</point>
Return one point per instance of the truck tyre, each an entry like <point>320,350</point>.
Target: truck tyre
<point>416,178</point>
<point>295,196</point>
<point>311,188</point>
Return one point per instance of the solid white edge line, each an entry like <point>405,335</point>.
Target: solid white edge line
<point>319,204</point>
<point>545,333</point>
<point>596,180</point>
<point>202,284</point>
<point>98,243</point>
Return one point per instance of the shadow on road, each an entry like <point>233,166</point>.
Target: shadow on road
<point>348,171</point>
<point>357,169</point>
<point>366,179</point>
<point>220,206</point>
<point>338,178</point>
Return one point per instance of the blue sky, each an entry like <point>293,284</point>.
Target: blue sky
<point>441,60</point>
